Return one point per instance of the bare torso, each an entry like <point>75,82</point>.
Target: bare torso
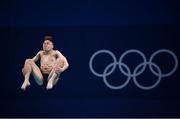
<point>47,61</point>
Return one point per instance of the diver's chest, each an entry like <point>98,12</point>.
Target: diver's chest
<point>48,58</point>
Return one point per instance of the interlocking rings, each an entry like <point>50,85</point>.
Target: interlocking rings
<point>137,71</point>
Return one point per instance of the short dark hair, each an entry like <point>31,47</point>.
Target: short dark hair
<point>50,38</point>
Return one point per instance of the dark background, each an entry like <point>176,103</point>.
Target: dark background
<point>81,28</point>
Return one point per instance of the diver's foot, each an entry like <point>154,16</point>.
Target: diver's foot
<point>25,84</point>
<point>49,86</point>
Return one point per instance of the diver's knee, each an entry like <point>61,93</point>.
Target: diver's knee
<point>58,70</point>
<point>28,61</point>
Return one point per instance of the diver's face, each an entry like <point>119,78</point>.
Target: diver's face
<point>47,45</point>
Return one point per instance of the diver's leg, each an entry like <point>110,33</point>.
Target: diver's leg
<point>56,79</point>
<point>37,74</point>
<point>52,79</point>
<point>31,67</point>
<point>26,72</point>
<point>54,74</point>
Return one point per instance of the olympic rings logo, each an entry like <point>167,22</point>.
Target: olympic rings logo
<point>139,69</point>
